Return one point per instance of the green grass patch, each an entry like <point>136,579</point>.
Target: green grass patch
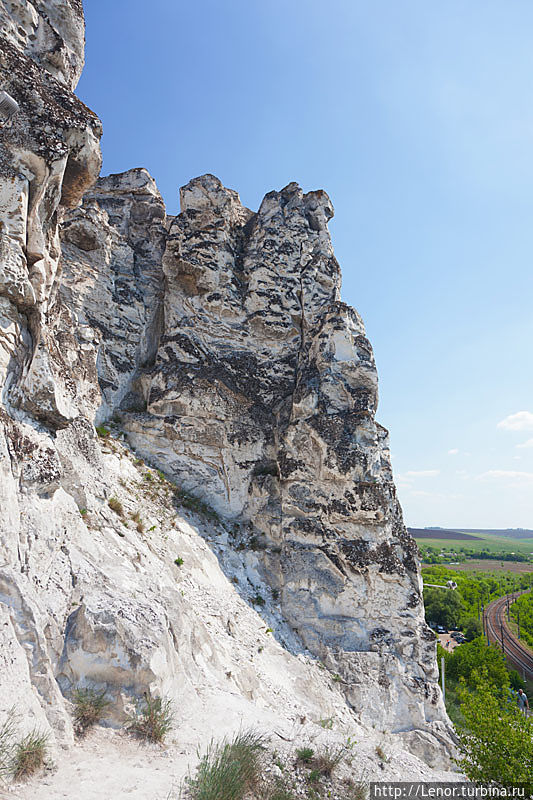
<point>152,720</point>
<point>116,506</point>
<point>7,738</point>
<point>229,769</point>
<point>305,755</point>
<point>89,708</point>
<point>487,542</point>
<point>29,755</point>
<point>258,600</point>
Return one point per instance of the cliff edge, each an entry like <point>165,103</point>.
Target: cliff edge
<point>232,539</point>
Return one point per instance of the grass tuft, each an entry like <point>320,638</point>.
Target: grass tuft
<point>330,757</point>
<point>153,719</point>
<point>229,769</point>
<point>314,776</point>
<point>29,755</point>
<point>136,517</point>
<point>381,753</point>
<point>102,432</point>
<point>116,506</point>
<point>305,755</point>
<point>7,739</point>
<point>89,708</point>
<point>358,791</point>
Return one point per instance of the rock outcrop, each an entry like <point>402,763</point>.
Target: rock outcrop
<point>112,280</point>
<point>218,344</point>
<point>261,402</point>
<point>49,155</point>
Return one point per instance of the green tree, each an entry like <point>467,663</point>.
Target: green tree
<point>472,629</point>
<point>443,607</point>
<point>495,738</point>
<point>467,661</point>
<point>523,609</point>
<point>516,679</point>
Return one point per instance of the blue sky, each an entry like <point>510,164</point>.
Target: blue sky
<point>417,120</point>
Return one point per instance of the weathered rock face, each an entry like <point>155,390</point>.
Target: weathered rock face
<point>262,403</point>
<point>49,155</point>
<point>112,280</point>
<point>220,340</point>
<point>51,33</point>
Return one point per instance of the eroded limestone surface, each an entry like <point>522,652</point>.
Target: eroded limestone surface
<point>219,342</point>
<point>262,402</point>
<point>112,281</point>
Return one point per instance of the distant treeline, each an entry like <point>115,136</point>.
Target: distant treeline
<point>434,555</point>
<point>502,555</point>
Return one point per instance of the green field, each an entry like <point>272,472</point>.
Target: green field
<point>490,542</point>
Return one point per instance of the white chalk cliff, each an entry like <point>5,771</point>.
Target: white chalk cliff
<point>218,344</point>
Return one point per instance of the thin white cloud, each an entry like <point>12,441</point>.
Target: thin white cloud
<point>509,476</point>
<point>434,495</point>
<point>421,473</point>
<point>528,443</point>
<point>453,452</point>
<point>521,421</point>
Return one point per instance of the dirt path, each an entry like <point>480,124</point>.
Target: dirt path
<point>109,766</point>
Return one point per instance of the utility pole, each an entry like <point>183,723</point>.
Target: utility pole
<point>508,615</point>
<point>518,614</point>
<point>483,618</point>
<point>501,634</point>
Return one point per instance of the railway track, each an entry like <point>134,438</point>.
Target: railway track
<point>496,629</point>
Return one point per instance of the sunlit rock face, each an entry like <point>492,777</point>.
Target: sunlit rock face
<point>262,402</point>
<point>219,341</point>
<point>51,33</point>
<point>49,155</point>
<point>112,280</point>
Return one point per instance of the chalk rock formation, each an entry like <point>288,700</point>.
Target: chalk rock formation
<point>49,155</point>
<point>219,340</point>
<point>112,280</point>
<point>262,402</point>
